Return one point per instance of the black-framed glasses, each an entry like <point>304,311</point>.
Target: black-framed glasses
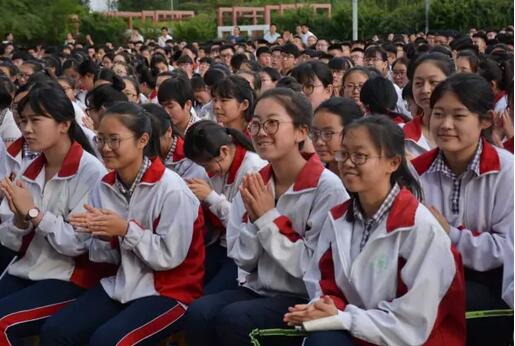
<point>270,126</point>
<point>325,135</point>
<point>112,142</point>
<point>357,158</point>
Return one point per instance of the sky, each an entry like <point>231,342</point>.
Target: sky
<point>98,5</point>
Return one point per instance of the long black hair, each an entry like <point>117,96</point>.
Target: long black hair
<point>49,99</point>
<point>388,138</point>
<point>205,138</point>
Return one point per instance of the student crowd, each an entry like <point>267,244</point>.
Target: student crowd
<point>361,192</point>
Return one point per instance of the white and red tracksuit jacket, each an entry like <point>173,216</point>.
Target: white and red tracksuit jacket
<point>485,205</point>
<point>414,139</point>
<point>52,249</point>
<point>405,287</point>
<point>225,188</point>
<point>15,160</point>
<point>163,250</point>
<point>183,166</point>
<point>276,249</point>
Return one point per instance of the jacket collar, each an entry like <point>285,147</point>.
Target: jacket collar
<point>151,176</point>
<point>401,214</point>
<point>16,147</point>
<point>413,129</point>
<point>178,154</point>
<point>237,161</point>
<point>69,167</point>
<point>489,161</point>
<point>308,177</point>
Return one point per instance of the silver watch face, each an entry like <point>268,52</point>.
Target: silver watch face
<point>33,213</point>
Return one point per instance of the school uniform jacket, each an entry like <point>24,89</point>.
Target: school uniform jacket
<point>163,250</point>
<point>15,160</point>
<point>405,287</point>
<point>276,249</point>
<point>51,250</point>
<point>183,166</point>
<point>4,170</point>
<point>226,187</point>
<point>485,205</point>
<point>414,139</point>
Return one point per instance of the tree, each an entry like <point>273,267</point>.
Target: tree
<point>139,5</point>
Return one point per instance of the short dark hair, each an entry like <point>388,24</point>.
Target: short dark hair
<point>346,109</point>
<point>292,49</point>
<point>176,89</point>
<point>307,71</point>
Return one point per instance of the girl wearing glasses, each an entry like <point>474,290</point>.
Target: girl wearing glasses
<point>233,102</point>
<point>383,272</point>
<point>273,226</point>
<point>227,156</point>
<point>316,79</point>
<point>143,218</point>
<point>425,74</point>
<point>353,81</point>
<point>469,184</point>
<point>49,271</point>
<point>331,117</point>
<point>171,145</point>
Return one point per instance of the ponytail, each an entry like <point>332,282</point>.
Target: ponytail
<point>239,138</point>
<point>77,134</point>
<point>205,138</point>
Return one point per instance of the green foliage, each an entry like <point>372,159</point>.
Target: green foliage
<point>380,16</point>
<point>200,28</point>
<point>102,28</point>
<point>138,5</point>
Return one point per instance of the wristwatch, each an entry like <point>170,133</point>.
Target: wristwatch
<point>32,214</point>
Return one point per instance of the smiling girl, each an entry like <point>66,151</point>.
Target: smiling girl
<point>384,271</point>
<point>143,218</point>
<point>331,117</point>
<point>469,185</point>
<point>425,74</point>
<point>233,102</point>
<point>273,227</point>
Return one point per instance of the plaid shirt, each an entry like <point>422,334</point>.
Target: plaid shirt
<point>127,193</point>
<point>27,153</point>
<point>439,166</point>
<point>370,223</point>
<point>169,156</point>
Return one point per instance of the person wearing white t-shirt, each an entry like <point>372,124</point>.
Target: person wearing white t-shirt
<point>271,36</point>
<point>305,34</point>
<point>165,36</point>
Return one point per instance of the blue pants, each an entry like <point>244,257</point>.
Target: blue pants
<point>96,319</point>
<point>483,290</point>
<point>6,256</point>
<point>330,337</point>
<point>26,304</point>
<point>221,273</point>
<point>228,317</point>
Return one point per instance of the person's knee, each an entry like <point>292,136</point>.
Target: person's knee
<point>201,311</point>
<point>233,325</point>
<point>104,337</point>
<point>51,332</point>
